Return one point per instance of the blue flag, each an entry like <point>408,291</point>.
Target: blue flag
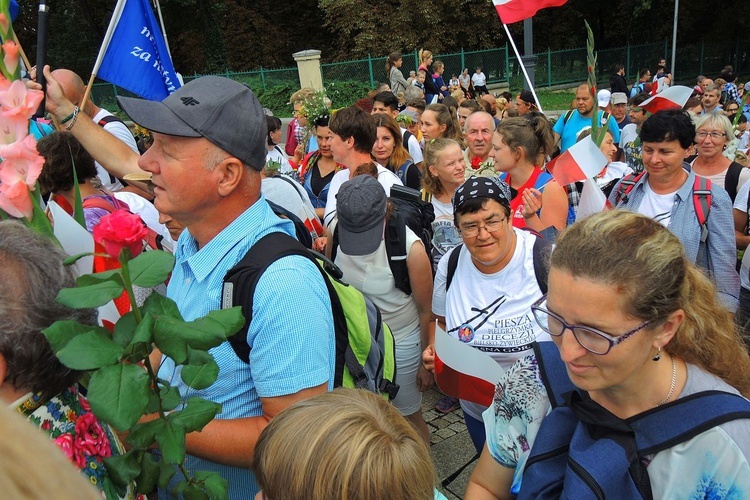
<point>136,57</point>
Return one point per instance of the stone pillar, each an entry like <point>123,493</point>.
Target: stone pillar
<point>308,65</point>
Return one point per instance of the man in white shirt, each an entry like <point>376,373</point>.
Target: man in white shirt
<point>74,88</point>
<point>353,135</point>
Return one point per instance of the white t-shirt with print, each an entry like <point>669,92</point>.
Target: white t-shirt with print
<point>657,206</point>
<point>445,236</point>
<point>491,312</point>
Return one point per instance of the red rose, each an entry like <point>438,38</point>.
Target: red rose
<point>475,162</point>
<point>118,230</point>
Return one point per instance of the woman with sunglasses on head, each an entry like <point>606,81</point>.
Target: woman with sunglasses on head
<point>484,287</point>
<point>636,326</point>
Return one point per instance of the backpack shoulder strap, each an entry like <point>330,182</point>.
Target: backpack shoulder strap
<point>395,246</point>
<point>98,202</point>
<point>731,183</point>
<point>452,265</point>
<point>567,116</point>
<point>685,418</point>
<point>626,185</point>
<point>540,252</point>
<point>241,280</point>
<point>425,196</point>
<point>553,372</point>
<point>109,119</point>
<point>702,202</point>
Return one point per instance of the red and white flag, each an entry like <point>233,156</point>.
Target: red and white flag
<point>464,372</point>
<point>512,11</point>
<point>581,161</point>
<point>669,98</point>
<point>592,200</point>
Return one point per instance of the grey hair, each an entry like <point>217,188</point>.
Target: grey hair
<point>31,275</point>
<point>412,92</point>
<point>715,120</point>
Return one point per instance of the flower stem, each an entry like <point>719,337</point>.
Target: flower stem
<point>124,258</point>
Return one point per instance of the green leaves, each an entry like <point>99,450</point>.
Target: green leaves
<point>82,347</point>
<point>197,413</point>
<point>120,390</point>
<point>174,336</point>
<point>151,268</point>
<point>118,394</point>
<point>94,295</point>
<point>201,370</point>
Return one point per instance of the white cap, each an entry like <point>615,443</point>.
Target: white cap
<point>603,97</point>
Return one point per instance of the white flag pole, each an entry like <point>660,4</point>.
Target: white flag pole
<point>523,68</point>
<point>163,29</point>
<point>103,49</point>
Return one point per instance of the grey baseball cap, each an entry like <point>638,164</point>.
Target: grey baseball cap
<point>224,111</point>
<point>360,205</point>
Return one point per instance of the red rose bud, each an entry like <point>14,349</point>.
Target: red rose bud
<point>475,162</point>
<point>118,230</point>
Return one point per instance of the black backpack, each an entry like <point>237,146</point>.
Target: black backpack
<point>411,208</point>
<point>300,230</point>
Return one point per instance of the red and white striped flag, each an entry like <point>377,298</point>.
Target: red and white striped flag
<point>669,98</point>
<point>464,372</point>
<point>592,200</point>
<point>581,161</point>
<point>511,11</point>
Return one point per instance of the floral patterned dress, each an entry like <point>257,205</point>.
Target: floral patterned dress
<point>68,420</point>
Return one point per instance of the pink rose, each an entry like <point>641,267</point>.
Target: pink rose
<point>118,230</point>
<point>90,437</point>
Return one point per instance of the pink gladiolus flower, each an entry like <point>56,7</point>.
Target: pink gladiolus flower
<point>13,128</point>
<point>4,25</point>
<point>21,162</point>
<point>17,100</point>
<point>15,200</point>
<point>10,56</point>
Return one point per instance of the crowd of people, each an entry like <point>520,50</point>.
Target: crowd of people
<point>502,264</point>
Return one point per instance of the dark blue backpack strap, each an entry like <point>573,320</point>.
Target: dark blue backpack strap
<point>452,265</point>
<point>552,371</point>
<point>241,280</point>
<point>676,422</point>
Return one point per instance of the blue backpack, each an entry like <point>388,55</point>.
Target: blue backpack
<point>583,451</point>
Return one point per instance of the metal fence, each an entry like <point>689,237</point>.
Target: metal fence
<point>552,68</point>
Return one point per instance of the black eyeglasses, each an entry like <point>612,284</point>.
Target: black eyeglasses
<point>591,339</point>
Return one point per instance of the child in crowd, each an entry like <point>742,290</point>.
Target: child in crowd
<point>453,84</point>
<point>419,82</point>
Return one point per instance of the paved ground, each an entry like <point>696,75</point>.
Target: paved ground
<point>451,446</point>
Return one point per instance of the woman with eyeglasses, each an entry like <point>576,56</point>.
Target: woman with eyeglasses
<point>484,287</point>
<point>713,134</point>
<point>669,192</point>
<point>636,326</point>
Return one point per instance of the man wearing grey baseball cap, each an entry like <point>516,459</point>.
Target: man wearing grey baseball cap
<point>209,148</point>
